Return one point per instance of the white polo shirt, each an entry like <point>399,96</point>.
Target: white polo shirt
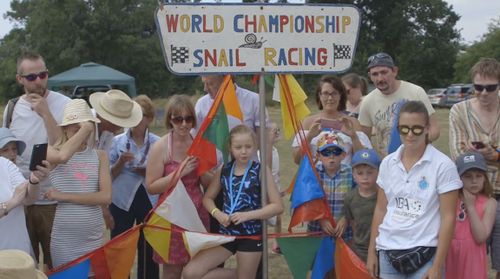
<point>412,218</point>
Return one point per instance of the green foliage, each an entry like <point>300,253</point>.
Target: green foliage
<point>488,46</point>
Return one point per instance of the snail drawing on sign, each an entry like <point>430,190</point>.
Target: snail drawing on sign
<point>251,41</point>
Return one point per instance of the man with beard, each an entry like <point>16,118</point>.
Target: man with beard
<point>34,120</point>
<point>379,108</point>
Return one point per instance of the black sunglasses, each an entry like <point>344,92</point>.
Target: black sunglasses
<point>463,213</point>
<point>488,87</point>
<point>33,77</point>
<point>417,130</point>
<point>378,56</point>
<point>178,119</point>
<point>331,151</point>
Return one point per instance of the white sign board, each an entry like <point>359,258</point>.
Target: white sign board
<point>249,38</point>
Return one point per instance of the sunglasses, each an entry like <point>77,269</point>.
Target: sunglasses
<point>331,151</point>
<point>463,214</point>
<point>179,119</point>
<point>378,56</point>
<point>487,87</point>
<point>417,130</point>
<point>33,77</point>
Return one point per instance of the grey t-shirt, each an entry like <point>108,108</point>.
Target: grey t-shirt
<point>358,211</point>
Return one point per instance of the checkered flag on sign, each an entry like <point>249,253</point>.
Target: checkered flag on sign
<point>341,51</point>
<point>179,54</point>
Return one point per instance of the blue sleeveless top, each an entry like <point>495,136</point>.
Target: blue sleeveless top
<point>249,199</point>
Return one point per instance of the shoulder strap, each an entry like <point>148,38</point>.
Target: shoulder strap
<point>10,110</point>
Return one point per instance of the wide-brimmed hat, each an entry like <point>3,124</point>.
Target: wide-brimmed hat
<point>470,160</point>
<point>6,136</point>
<point>116,107</point>
<point>16,264</point>
<point>77,111</point>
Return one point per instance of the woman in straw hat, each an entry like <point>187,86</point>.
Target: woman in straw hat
<point>15,191</point>
<point>82,184</point>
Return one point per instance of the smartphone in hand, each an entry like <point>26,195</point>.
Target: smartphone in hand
<point>331,124</point>
<point>478,144</point>
<point>38,154</point>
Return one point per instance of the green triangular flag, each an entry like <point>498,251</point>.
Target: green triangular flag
<point>299,253</point>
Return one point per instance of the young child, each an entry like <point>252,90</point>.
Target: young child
<point>10,146</point>
<point>241,214</point>
<point>475,216</point>
<point>336,179</point>
<point>359,203</point>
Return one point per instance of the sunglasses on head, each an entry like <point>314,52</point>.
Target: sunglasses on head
<point>331,151</point>
<point>179,119</point>
<point>487,87</point>
<point>417,130</point>
<point>378,56</point>
<point>33,77</point>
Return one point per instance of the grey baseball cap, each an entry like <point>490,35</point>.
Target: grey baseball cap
<point>470,160</point>
<point>380,59</point>
<point>6,136</point>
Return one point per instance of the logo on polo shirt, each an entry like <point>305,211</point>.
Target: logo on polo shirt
<point>423,184</point>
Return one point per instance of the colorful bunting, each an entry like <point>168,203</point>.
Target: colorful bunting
<point>347,264</point>
<point>195,242</point>
<point>77,271</point>
<point>306,186</point>
<point>299,253</point>
<point>323,262</point>
<point>394,138</point>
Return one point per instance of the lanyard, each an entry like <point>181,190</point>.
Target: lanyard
<point>146,149</point>
<point>233,201</point>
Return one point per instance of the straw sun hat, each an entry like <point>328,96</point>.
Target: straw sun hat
<point>77,111</point>
<point>116,107</point>
<point>16,264</point>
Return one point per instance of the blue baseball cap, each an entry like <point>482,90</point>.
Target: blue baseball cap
<point>366,157</point>
<point>470,160</point>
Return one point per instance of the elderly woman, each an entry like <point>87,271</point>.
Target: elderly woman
<point>331,97</point>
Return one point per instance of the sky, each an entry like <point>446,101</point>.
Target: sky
<point>475,17</point>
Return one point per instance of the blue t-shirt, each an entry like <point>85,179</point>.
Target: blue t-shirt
<point>249,198</point>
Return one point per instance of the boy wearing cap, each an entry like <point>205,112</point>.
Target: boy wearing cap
<point>359,203</point>
<point>379,107</point>
<point>336,179</point>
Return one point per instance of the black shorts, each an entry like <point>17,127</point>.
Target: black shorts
<point>244,245</point>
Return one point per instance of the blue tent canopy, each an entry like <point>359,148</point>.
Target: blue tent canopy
<point>93,74</point>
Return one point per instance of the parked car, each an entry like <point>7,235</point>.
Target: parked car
<point>437,96</point>
<point>456,93</point>
<point>84,91</point>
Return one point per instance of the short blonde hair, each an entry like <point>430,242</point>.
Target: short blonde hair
<point>175,106</point>
<point>147,106</point>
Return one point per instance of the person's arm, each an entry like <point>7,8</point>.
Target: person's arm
<point>272,208</point>
<point>481,229</point>
<point>33,190</point>
<point>101,197</point>
<point>434,130</point>
<point>40,106</point>
<point>70,147</point>
<point>156,183</point>
<point>447,205</point>
<point>350,127</point>
<point>378,217</point>
<point>312,128</point>
<point>208,200</point>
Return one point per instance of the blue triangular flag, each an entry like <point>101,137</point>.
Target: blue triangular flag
<point>78,271</point>
<point>307,187</point>
<point>324,258</point>
<point>394,138</point>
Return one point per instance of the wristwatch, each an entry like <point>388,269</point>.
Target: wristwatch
<point>3,206</point>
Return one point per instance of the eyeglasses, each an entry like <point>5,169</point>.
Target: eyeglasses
<point>327,95</point>
<point>462,214</point>
<point>178,119</point>
<point>417,130</point>
<point>331,151</point>
<point>487,87</point>
<point>33,77</point>
<point>378,56</point>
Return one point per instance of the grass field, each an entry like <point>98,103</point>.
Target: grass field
<point>277,265</point>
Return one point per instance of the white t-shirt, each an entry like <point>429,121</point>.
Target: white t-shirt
<point>29,127</point>
<point>378,110</point>
<point>14,234</point>
<point>363,138</point>
<point>249,105</point>
<point>412,218</point>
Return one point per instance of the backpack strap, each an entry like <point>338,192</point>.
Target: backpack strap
<point>10,110</point>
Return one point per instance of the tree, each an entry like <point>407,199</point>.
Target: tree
<point>488,46</point>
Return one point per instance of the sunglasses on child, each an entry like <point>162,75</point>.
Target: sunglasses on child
<point>417,130</point>
<point>487,87</point>
<point>33,77</point>
<point>179,119</point>
<point>331,151</point>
